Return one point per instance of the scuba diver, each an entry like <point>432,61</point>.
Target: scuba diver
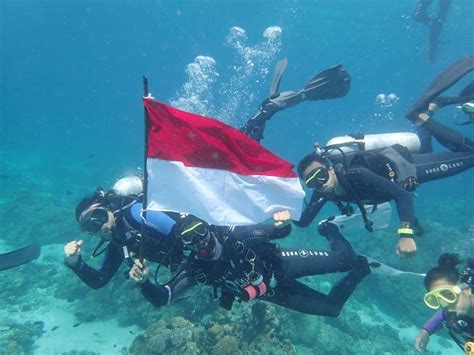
<point>246,265</point>
<point>115,216</point>
<point>373,169</point>
<point>420,14</point>
<point>452,293</point>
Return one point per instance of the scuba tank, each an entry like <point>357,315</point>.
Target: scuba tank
<point>354,143</point>
<point>130,185</point>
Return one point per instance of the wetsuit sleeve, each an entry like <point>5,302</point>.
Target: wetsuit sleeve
<point>157,295</point>
<point>434,323</point>
<point>369,183</point>
<point>263,230</point>
<point>162,295</point>
<point>311,210</point>
<point>97,278</point>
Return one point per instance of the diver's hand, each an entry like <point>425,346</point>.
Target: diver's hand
<point>406,247</point>
<point>139,272</point>
<point>281,219</point>
<point>421,341</point>
<point>72,252</point>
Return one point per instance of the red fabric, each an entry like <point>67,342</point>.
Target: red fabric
<point>199,141</point>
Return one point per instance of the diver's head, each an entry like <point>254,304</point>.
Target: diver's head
<point>445,287</point>
<point>197,236</point>
<point>95,215</point>
<point>317,173</point>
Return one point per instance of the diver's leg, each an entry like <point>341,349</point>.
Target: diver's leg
<point>434,166</point>
<point>446,136</point>
<point>435,27</point>
<point>443,9</point>
<point>301,298</point>
<point>255,126</point>
<point>426,144</point>
<point>305,262</point>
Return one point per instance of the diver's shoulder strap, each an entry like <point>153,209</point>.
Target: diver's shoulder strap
<point>341,176</point>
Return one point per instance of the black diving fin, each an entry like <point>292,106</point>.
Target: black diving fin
<point>443,82</point>
<point>277,75</point>
<point>331,83</point>
<point>465,95</point>
<point>468,90</point>
<point>19,257</point>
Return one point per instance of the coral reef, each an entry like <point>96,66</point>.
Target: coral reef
<point>19,338</point>
<point>252,329</point>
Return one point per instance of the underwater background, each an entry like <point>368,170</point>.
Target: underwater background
<point>72,119</point>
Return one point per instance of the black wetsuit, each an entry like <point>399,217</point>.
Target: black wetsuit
<point>159,246</point>
<point>247,250</point>
<point>372,188</point>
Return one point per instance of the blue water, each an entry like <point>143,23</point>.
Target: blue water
<point>72,119</point>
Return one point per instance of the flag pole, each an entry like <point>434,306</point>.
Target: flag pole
<point>145,173</point>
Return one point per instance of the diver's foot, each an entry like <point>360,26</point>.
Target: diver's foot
<point>375,264</point>
<point>327,229</point>
<point>371,263</point>
<point>363,264</point>
<point>468,109</point>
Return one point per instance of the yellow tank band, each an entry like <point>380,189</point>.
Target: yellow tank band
<point>469,347</point>
<point>405,231</point>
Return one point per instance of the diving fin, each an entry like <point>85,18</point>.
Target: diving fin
<point>379,215</point>
<point>331,83</point>
<point>443,82</point>
<point>277,75</point>
<point>388,270</point>
<point>468,90</point>
<point>19,257</point>
<point>465,95</point>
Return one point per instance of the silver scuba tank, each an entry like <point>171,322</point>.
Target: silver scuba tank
<point>365,142</point>
<point>130,185</point>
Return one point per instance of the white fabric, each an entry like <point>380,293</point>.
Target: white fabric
<point>220,197</point>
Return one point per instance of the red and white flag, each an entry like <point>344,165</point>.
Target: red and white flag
<point>201,166</point>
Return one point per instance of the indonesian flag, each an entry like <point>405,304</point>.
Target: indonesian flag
<point>201,166</point>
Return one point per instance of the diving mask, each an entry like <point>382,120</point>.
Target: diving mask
<point>196,236</point>
<point>97,219</point>
<point>444,296</point>
<point>317,178</point>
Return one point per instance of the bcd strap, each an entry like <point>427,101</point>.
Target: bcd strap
<point>341,175</point>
